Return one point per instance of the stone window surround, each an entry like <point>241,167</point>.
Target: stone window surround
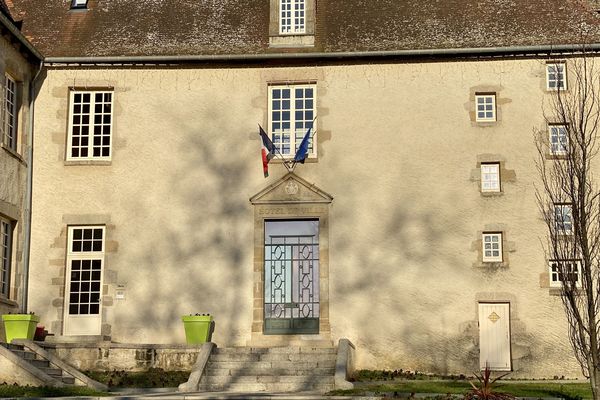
<point>545,279</point>
<point>264,212</point>
<point>276,39</point>
<point>507,247</point>
<point>276,79</point>
<point>471,106</point>
<point>290,198</point>
<point>506,175</point>
<point>109,275</point>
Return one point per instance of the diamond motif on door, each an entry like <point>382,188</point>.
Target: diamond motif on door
<point>494,317</point>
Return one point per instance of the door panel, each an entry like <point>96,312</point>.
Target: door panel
<point>85,264</point>
<point>494,336</point>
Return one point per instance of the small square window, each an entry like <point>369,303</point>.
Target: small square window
<point>564,270</point>
<point>485,107</point>
<point>559,139</point>
<point>79,3</point>
<point>556,76</point>
<point>563,219</point>
<point>492,247</point>
<point>490,177</point>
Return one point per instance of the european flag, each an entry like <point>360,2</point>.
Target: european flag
<point>302,152</point>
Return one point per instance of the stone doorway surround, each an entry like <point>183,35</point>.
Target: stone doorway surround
<point>291,197</point>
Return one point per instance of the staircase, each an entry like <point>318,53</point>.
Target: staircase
<point>42,364</point>
<point>277,369</point>
<point>43,367</point>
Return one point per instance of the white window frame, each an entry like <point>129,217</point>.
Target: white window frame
<point>93,254</point>
<point>292,17</point>
<point>563,218</point>
<point>553,76</point>
<point>482,101</point>
<point>9,113</point>
<point>6,244</point>
<point>492,238</point>
<point>295,135</point>
<point>555,275</point>
<point>490,177</point>
<point>91,125</point>
<point>79,4</point>
<point>561,146</point>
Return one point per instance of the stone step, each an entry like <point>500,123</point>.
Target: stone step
<point>39,363</point>
<point>52,371</point>
<point>262,387</point>
<point>241,365</point>
<point>69,380</point>
<point>11,346</point>
<point>277,350</point>
<point>250,370</point>
<point>27,355</point>
<point>295,357</point>
<point>226,357</point>
<point>225,380</point>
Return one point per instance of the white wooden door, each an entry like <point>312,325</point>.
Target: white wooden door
<point>494,336</point>
<point>85,262</point>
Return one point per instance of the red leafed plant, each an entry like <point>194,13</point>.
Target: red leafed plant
<point>485,390</point>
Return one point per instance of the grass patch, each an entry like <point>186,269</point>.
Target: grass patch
<point>152,378</point>
<point>46,391</point>
<point>367,375</point>
<point>570,391</point>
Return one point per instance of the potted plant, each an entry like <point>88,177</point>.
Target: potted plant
<point>19,326</point>
<point>198,328</point>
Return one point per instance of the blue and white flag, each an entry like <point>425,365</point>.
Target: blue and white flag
<point>302,152</point>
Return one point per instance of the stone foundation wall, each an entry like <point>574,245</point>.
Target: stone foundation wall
<point>107,356</point>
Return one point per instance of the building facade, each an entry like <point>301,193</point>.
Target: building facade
<point>411,229</point>
<point>19,63</point>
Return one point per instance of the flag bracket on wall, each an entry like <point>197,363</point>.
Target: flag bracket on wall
<point>270,151</point>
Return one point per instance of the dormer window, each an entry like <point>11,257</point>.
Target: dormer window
<point>292,23</point>
<point>293,16</point>
<point>76,4</point>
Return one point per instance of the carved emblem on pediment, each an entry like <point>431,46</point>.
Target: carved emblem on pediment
<point>291,187</point>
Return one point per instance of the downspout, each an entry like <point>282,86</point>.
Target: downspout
<point>29,192</point>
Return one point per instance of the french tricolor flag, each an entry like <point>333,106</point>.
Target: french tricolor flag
<point>267,150</point>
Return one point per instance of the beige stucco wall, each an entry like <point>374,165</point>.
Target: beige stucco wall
<point>13,170</point>
<point>399,151</point>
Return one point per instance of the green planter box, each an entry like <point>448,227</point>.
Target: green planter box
<point>19,326</point>
<point>198,328</point>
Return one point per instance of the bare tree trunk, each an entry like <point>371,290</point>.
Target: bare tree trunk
<point>569,200</point>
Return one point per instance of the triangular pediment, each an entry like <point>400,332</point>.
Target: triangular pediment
<point>289,190</point>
